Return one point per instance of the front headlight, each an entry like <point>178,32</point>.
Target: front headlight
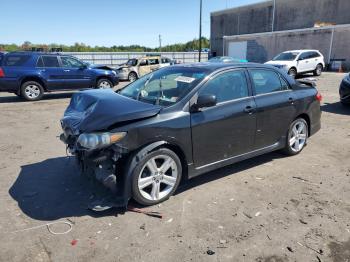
<point>99,140</point>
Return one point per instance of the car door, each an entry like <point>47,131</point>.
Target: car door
<point>144,67</point>
<point>275,106</point>
<point>303,62</point>
<point>227,129</point>
<point>51,71</point>
<point>76,73</point>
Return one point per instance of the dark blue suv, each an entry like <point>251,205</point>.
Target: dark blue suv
<point>30,74</point>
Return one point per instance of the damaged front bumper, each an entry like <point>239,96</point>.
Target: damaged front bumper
<point>103,165</point>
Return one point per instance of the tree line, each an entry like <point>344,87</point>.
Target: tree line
<point>81,47</point>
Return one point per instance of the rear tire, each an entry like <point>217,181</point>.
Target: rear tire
<point>156,177</point>
<point>297,136</point>
<point>292,72</point>
<point>318,70</point>
<point>32,91</point>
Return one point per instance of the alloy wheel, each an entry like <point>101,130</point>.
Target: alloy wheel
<point>132,77</point>
<point>158,177</point>
<point>104,85</point>
<point>298,136</point>
<point>32,91</point>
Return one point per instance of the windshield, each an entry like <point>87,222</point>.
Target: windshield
<point>132,62</point>
<point>288,56</point>
<point>165,86</point>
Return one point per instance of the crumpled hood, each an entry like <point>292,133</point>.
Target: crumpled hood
<point>94,110</point>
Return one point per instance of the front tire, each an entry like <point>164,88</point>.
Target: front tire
<point>156,177</point>
<point>318,70</point>
<point>104,83</point>
<point>132,77</point>
<point>296,137</point>
<point>32,91</point>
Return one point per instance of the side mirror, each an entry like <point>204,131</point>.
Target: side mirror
<point>82,67</point>
<point>205,100</point>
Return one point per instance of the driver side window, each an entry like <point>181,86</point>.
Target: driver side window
<point>227,86</point>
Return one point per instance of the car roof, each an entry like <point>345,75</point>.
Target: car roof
<point>302,50</point>
<point>33,53</point>
<point>217,66</point>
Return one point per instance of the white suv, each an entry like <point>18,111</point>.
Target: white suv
<point>299,62</point>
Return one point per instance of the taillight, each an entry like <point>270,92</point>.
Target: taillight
<point>319,96</point>
<point>2,72</point>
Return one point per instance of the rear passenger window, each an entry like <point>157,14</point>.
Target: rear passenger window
<point>15,60</point>
<point>266,81</point>
<point>40,62</point>
<point>50,61</point>
<point>153,61</point>
<point>227,86</point>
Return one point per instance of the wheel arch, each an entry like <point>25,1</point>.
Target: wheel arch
<point>135,157</point>
<point>306,117</point>
<point>35,79</point>
<point>293,67</point>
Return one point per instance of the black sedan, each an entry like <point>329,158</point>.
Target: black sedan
<point>344,90</point>
<point>185,120</point>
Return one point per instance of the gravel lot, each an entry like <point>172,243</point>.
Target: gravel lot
<point>270,208</point>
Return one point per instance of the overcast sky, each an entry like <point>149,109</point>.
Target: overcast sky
<point>106,22</point>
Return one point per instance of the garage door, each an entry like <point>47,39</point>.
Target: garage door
<point>237,49</point>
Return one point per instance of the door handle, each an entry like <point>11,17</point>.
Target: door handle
<point>66,70</point>
<point>249,110</point>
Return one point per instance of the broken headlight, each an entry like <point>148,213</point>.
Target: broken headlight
<point>99,140</point>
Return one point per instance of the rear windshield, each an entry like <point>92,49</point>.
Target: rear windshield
<point>15,60</point>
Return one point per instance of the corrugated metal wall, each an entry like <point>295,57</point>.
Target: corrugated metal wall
<point>115,58</point>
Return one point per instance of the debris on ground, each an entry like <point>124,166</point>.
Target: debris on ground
<point>302,221</point>
<point>210,252</point>
<point>170,220</point>
<point>48,226</point>
<point>290,249</point>
<point>146,212</point>
<point>74,242</point>
<point>320,252</point>
<point>143,226</point>
<point>247,215</point>
<point>258,214</point>
<point>300,178</point>
<point>223,241</point>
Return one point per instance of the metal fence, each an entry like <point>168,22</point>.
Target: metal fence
<point>116,58</point>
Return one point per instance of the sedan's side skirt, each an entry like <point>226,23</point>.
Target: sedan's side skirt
<point>228,161</point>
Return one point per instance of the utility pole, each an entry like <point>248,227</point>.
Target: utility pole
<point>200,30</point>
<point>160,43</point>
<point>273,16</point>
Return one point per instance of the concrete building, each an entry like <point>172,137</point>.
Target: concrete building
<point>260,31</point>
